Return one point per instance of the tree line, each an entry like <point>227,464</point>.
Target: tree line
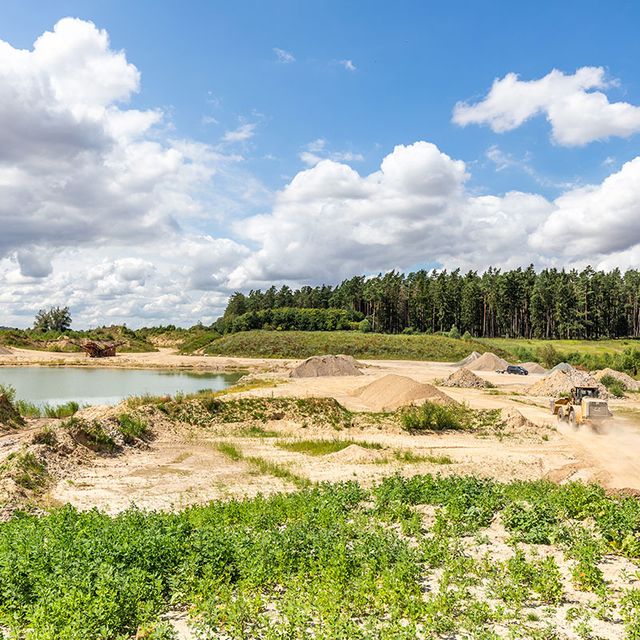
<point>520,303</point>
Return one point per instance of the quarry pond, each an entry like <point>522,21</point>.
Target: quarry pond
<point>58,385</point>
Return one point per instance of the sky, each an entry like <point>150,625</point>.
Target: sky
<point>156,156</point>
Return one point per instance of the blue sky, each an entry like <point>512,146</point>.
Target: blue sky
<point>352,81</point>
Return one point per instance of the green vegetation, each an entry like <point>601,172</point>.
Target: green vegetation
<point>518,304</point>
<point>413,458</point>
<point>263,466</point>
<point>614,386</point>
<point>303,344</point>
<point>132,428</point>
<point>91,434</point>
<point>324,447</point>
<point>338,559</point>
<point>198,340</point>
<point>25,470</point>
<point>56,319</point>
<point>431,416</point>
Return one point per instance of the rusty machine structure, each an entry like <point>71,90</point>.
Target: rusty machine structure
<point>97,349</point>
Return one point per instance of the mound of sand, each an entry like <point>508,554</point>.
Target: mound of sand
<point>9,416</point>
<point>533,367</point>
<point>465,379</point>
<point>564,367</point>
<point>320,366</point>
<point>488,362</point>
<point>516,424</point>
<point>4,351</point>
<point>354,453</point>
<point>474,355</point>
<point>391,392</point>
<point>559,382</point>
<point>628,382</point>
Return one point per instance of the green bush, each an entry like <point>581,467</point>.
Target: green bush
<point>614,386</point>
<point>132,428</point>
<point>431,417</point>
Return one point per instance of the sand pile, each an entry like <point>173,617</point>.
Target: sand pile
<point>354,453</point>
<point>9,416</point>
<point>488,362</point>
<point>391,392</point>
<point>320,366</point>
<point>4,351</point>
<point>533,367</point>
<point>474,355</point>
<point>465,379</point>
<point>558,382</point>
<point>629,383</point>
<point>515,423</point>
<point>565,367</point>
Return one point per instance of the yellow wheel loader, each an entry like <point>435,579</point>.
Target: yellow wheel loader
<point>582,407</point>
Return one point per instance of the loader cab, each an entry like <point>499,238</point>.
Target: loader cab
<point>578,393</point>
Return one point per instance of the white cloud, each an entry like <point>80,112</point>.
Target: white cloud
<point>577,112</point>
<point>348,65</point>
<point>243,133</point>
<point>316,150</point>
<point>284,57</point>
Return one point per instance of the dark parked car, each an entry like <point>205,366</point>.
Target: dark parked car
<point>516,369</point>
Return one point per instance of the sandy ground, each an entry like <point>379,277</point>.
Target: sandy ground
<point>173,473</point>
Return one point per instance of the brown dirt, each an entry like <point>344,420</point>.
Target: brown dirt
<point>356,453</point>
<point>533,367</point>
<point>629,383</point>
<point>392,392</point>
<point>319,366</point>
<point>465,379</point>
<point>488,362</point>
<point>4,351</point>
<point>558,383</point>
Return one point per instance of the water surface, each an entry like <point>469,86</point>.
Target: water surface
<point>57,385</point>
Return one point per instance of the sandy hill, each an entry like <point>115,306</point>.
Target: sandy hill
<point>559,382</point>
<point>392,391</point>
<point>320,366</point>
<point>474,355</point>
<point>488,362</point>
<point>533,367</point>
<point>629,383</point>
<point>4,351</point>
<point>465,379</point>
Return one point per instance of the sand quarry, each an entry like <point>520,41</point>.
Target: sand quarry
<point>183,465</point>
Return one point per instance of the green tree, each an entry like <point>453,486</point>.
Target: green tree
<point>53,319</point>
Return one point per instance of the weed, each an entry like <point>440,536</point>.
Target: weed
<point>324,447</point>
<point>25,470</point>
<point>132,428</point>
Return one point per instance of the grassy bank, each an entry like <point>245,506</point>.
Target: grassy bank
<point>303,344</point>
<point>411,558</point>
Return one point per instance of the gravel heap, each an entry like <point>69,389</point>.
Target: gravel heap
<point>488,362</point>
<point>465,379</point>
<point>559,382</point>
<point>474,355</point>
<point>629,383</point>
<point>320,366</point>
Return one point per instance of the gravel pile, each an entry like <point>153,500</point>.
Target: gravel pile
<point>560,382</point>
<point>465,379</point>
<point>321,366</point>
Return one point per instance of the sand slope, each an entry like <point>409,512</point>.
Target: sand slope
<point>318,366</point>
<point>465,379</point>
<point>392,391</point>
<point>488,362</point>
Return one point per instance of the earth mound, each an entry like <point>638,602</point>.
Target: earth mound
<point>558,382</point>
<point>356,453</point>
<point>629,383</point>
<point>9,416</point>
<point>516,424</point>
<point>320,366</point>
<point>4,351</point>
<point>474,355</point>
<point>488,362</point>
<point>533,367</point>
<point>392,391</point>
<point>564,367</point>
<point>465,379</point>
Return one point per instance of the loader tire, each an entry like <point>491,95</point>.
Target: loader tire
<point>572,420</point>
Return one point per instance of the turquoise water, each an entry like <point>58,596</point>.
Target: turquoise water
<point>57,385</point>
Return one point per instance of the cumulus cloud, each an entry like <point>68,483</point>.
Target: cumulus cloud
<point>283,57</point>
<point>575,106</point>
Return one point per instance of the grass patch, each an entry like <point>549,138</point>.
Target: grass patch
<point>90,434</point>
<point>323,447</point>
<point>254,431</point>
<point>275,567</point>
<point>25,470</point>
<point>413,458</point>
<point>303,344</point>
<point>132,428</point>
<point>263,466</point>
<point>614,386</point>
<point>431,416</point>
